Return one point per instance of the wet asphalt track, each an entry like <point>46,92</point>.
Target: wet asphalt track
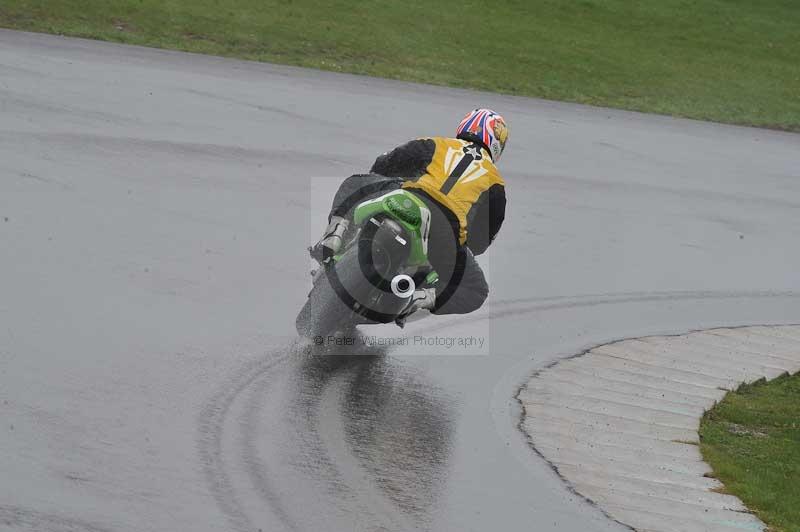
<point>154,208</point>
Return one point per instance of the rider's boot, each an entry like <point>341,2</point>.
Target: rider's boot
<point>331,241</point>
<point>423,299</point>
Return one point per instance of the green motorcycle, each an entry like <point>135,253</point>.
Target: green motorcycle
<point>384,259</point>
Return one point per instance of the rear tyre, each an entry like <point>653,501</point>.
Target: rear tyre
<point>359,280</point>
<point>324,312</point>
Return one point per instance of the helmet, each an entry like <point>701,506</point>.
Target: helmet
<point>487,128</point>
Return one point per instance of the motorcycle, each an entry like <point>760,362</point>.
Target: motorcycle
<point>383,260</point>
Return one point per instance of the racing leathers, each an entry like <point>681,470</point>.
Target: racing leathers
<point>465,193</point>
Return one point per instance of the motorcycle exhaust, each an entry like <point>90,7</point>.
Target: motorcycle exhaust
<point>403,286</point>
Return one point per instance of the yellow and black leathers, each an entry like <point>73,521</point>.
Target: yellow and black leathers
<point>466,197</point>
<point>458,175</point>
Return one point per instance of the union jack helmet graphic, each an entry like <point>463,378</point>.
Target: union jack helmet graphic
<point>485,127</point>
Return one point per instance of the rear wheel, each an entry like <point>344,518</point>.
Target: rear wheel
<point>357,288</point>
<point>325,312</point>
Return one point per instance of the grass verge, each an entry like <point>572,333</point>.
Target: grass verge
<point>752,441</point>
<point>724,60</point>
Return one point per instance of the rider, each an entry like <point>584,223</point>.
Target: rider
<point>458,181</point>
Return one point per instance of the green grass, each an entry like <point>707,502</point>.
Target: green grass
<point>725,60</point>
<point>752,441</point>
